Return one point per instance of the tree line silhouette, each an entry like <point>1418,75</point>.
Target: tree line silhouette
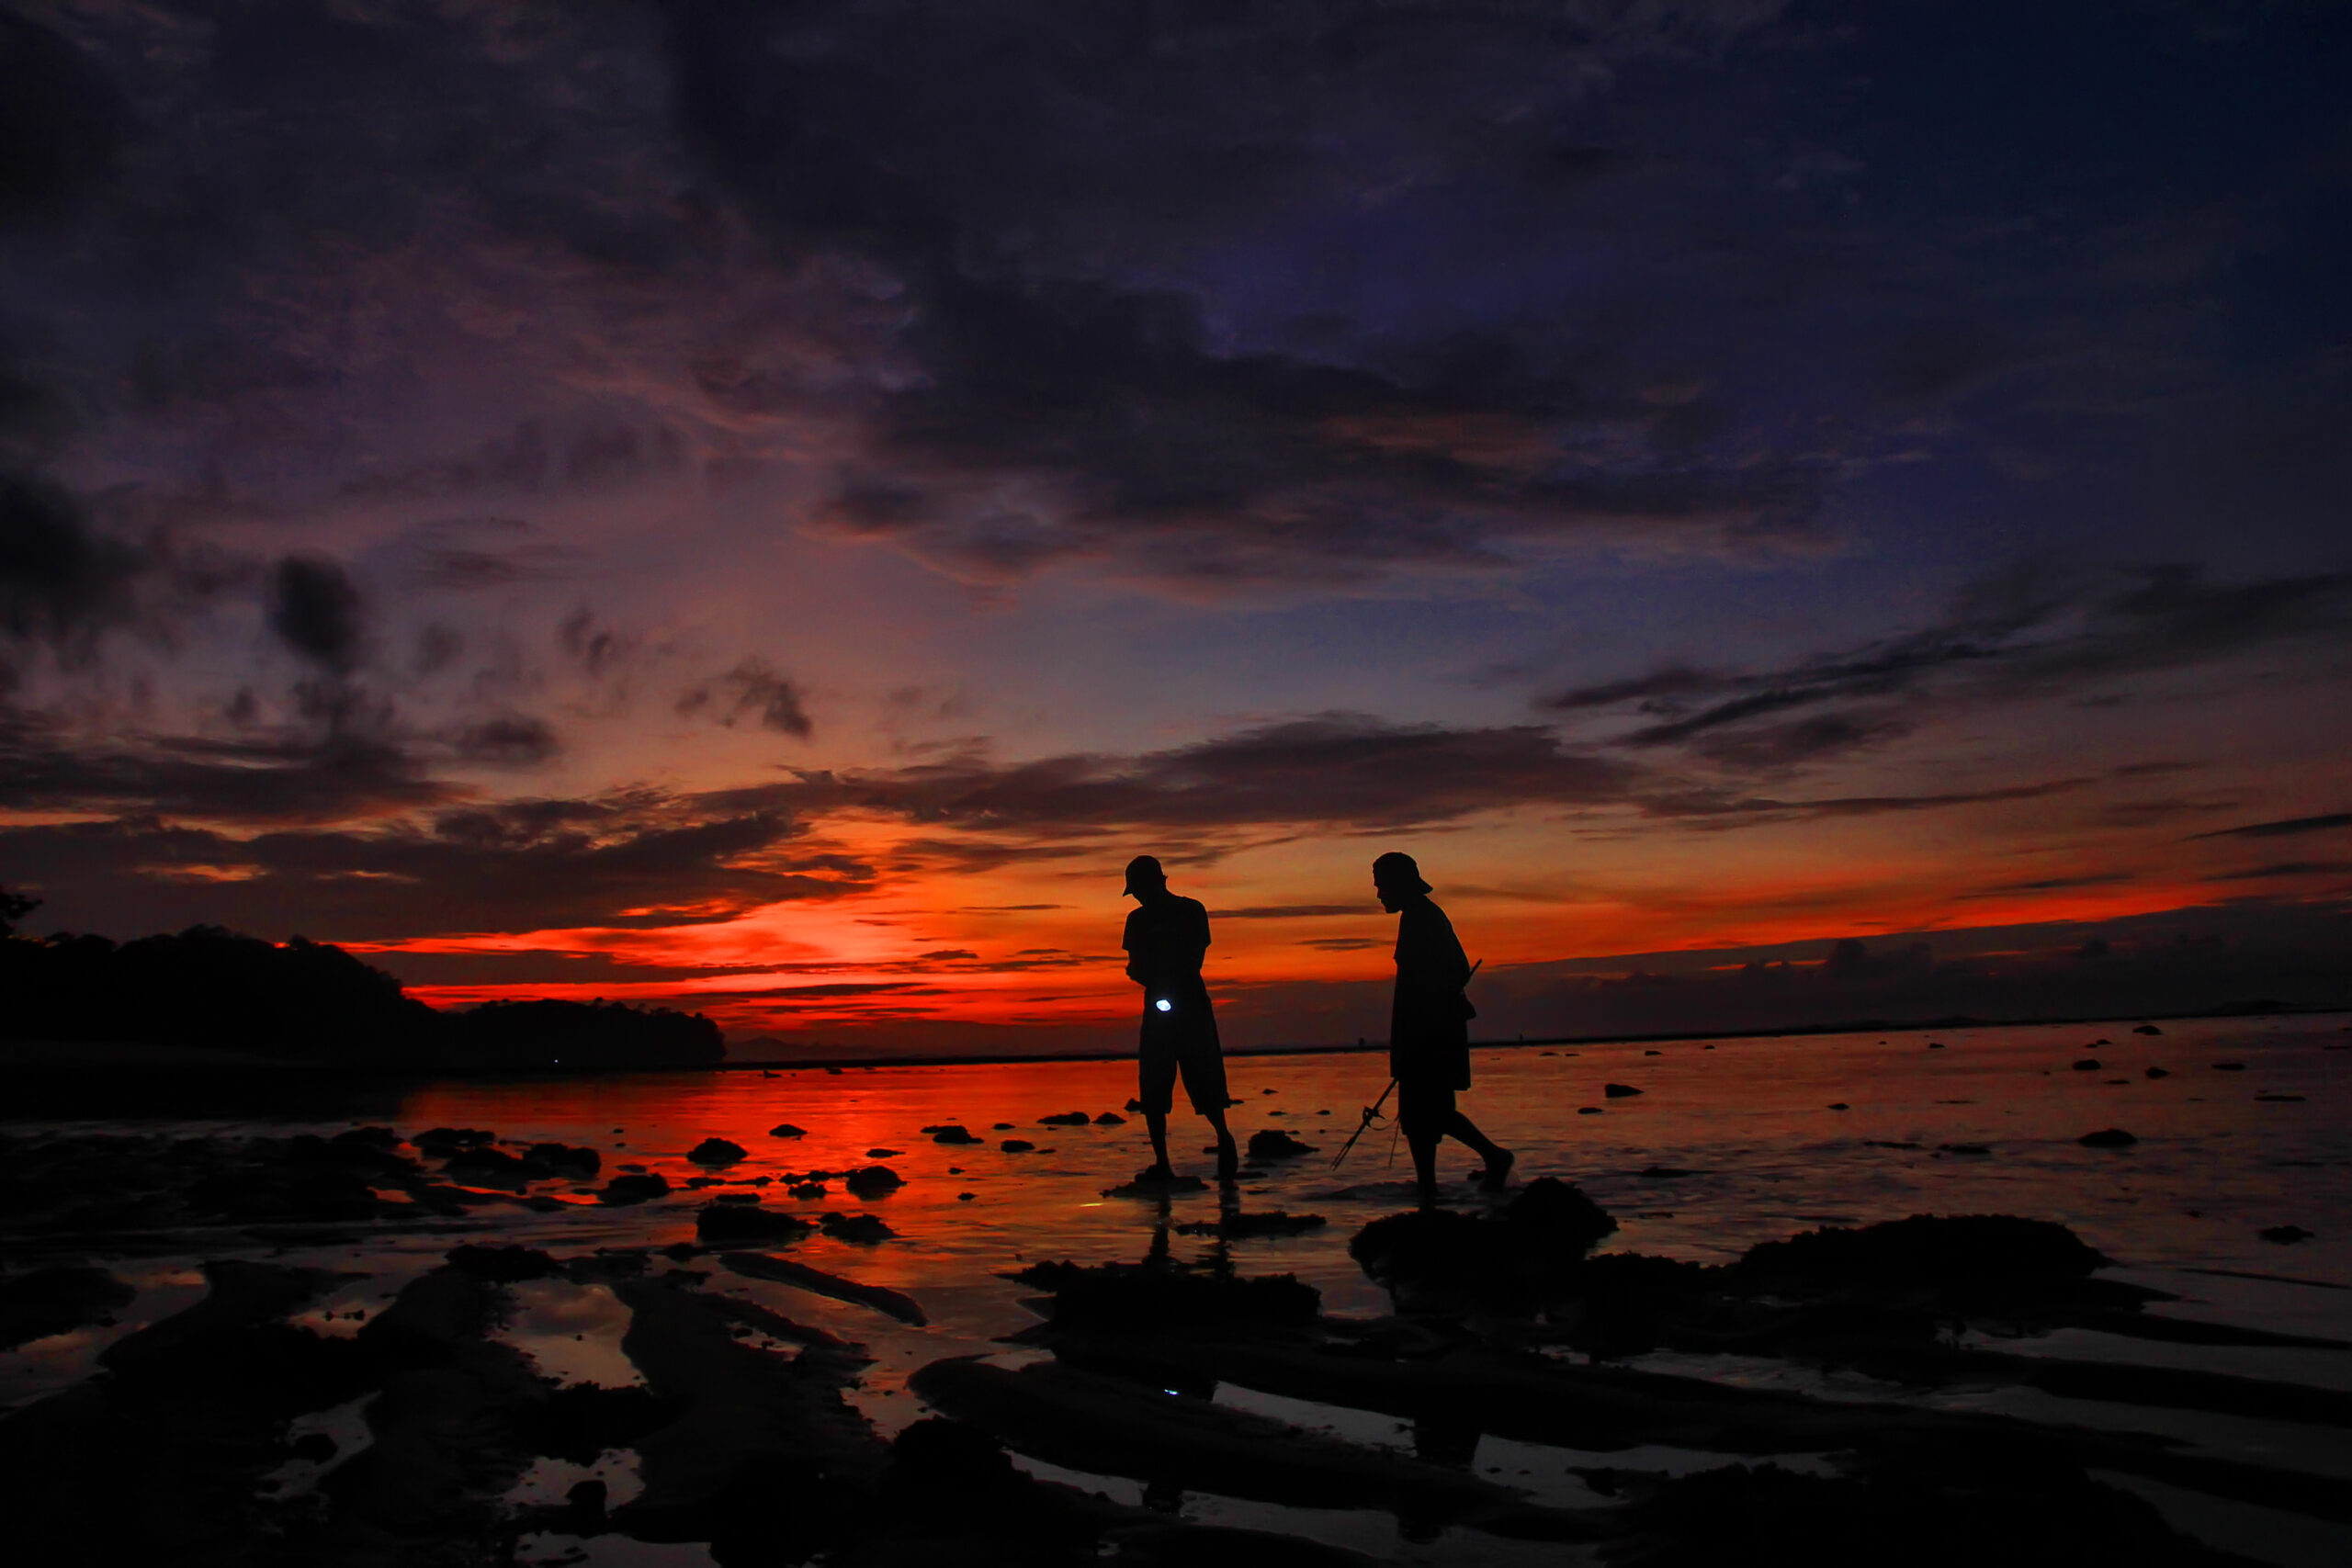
<point>306,1000</point>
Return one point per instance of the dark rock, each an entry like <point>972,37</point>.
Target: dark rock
<point>951,1133</point>
<point>2108,1138</point>
<point>1587,1111</point>
<point>1619,1090</point>
<point>2280,1099</point>
<point>1272,1143</point>
<point>1674,1173</point>
<point>2088,1064</point>
<point>786,1130</point>
<point>502,1265</point>
<point>1001,1127</point>
<point>806,1189</point>
<point>1016,1146</point>
<point>566,1159</point>
<point>873,1181</point>
<point>2229,1067</point>
<point>635,1187</point>
<point>966,1197</point>
<point>1241,1227</point>
<point>721,1224</point>
<point>2147,1029</point>
<point>1840,1105</point>
<point>856,1227</point>
<point>43,1301</point>
<point>883,1154</point>
<point>1954,1249</point>
<point>1964,1149</point>
<point>1110,1118</point>
<point>2285,1235</point>
<point>695,1183</point>
<point>1147,1184</point>
<point>1520,1253</point>
<point>1065,1119</point>
<point>494,1168</point>
<point>715,1151</point>
<point>2157,1073</point>
<point>441,1141</point>
<point>1130,1298</point>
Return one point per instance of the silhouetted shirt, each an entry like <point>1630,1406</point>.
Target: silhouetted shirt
<point>1168,936</point>
<point>1429,1022</point>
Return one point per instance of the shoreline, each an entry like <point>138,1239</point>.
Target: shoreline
<point>54,1059</point>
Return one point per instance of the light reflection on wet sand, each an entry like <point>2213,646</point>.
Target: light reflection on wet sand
<point>1725,1147</point>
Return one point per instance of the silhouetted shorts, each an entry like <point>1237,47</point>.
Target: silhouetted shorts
<point>1424,1110</point>
<point>1165,1056</point>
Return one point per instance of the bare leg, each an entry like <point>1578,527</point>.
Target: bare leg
<point>1156,1124</point>
<point>1499,1158</point>
<point>1424,1164</point>
<point>1229,1159</point>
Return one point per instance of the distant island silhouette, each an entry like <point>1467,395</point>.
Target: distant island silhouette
<point>213,989</point>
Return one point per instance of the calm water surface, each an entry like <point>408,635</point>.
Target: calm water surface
<point>1747,1123</point>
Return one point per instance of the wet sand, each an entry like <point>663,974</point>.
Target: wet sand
<point>1730,1144</point>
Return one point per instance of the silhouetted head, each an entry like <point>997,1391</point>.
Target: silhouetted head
<point>1144,877</point>
<point>1395,878</point>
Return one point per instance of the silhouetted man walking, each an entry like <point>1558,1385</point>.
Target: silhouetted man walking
<point>1429,1027</point>
<point>1168,936</point>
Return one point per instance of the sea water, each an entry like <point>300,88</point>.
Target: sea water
<point>2246,1125</point>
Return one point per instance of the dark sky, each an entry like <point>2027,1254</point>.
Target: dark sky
<point>774,503</point>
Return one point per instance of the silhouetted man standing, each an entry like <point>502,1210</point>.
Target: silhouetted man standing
<point>1168,936</point>
<point>1429,1027</point>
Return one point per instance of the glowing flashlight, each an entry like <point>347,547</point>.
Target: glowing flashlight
<point>1164,1005</point>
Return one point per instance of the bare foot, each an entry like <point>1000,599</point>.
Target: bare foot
<point>1160,1172</point>
<point>1498,1172</point>
<point>1228,1160</point>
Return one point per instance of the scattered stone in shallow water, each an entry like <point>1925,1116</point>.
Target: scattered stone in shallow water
<point>1065,1119</point>
<point>1016,1146</point>
<point>441,1141</point>
<point>1147,1184</point>
<point>1949,1249</point>
<point>2157,1073</point>
<point>636,1187</point>
<point>883,1154</point>
<point>2108,1138</point>
<point>781,1130</point>
<point>566,1159</point>
<point>1840,1105</point>
<point>1672,1173</point>
<point>855,1227</point>
<point>966,1197</point>
<point>2088,1064</point>
<point>1964,1149</point>
<point>951,1133</point>
<point>1886,1144</point>
<point>715,1151</point>
<point>1241,1227</point>
<point>2280,1098</point>
<point>2229,1067</point>
<point>873,1181</point>
<point>2285,1235</point>
<point>1619,1090</point>
<point>1001,1127</point>
<point>1140,1297</point>
<point>806,1189</point>
<point>723,1223</point>
<point>1587,1111</point>
<point>2147,1029</point>
<point>1110,1118</point>
<point>502,1265</point>
<point>1272,1143</point>
<point>1437,1255</point>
